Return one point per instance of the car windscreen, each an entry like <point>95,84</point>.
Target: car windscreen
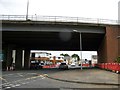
<point>63,63</point>
<point>42,63</point>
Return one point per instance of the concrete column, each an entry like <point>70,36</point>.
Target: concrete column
<point>4,66</point>
<point>18,59</point>
<point>9,57</point>
<point>27,59</point>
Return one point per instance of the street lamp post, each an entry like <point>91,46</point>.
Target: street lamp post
<point>80,46</point>
<point>27,10</point>
<point>81,49</point>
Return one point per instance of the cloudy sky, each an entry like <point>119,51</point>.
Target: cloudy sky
<point>105,9</point>
<point>85,54</point>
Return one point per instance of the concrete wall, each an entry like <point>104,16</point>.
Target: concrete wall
<point>109,49</point>
<point>52,28</point>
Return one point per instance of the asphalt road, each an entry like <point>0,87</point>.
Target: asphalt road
<point>36,79</point>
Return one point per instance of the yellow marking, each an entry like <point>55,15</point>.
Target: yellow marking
<point>45,75</point>
<point>3,79</point>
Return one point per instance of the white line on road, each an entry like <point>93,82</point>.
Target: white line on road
<point>17,85</point>
<point>13,86</point>
<point>8,75</point>
<point>8,87</point>
<point>43,78</point>
<point>21,82</point>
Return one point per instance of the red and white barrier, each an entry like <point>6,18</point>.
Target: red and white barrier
<point>115,67</point>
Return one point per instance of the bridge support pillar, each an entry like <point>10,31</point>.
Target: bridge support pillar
<point>109,48</point>
<point>18,59</point>
<point>27,59</point>
<point>8,57</point>
<point>4,63</point>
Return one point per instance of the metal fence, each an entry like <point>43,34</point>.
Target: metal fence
<point>59,19</point>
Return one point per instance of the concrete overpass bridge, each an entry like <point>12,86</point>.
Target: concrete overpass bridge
<point>58,33</point>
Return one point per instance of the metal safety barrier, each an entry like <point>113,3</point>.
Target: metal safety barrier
<point>59,19</point>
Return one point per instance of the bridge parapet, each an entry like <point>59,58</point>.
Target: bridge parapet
<point>59,19</point>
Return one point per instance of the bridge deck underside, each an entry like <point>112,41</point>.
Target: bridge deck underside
<point>36,40</point>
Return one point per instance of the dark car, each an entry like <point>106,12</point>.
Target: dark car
<point>34,65</point>
<point>41,65</point>
<point>63,66</point>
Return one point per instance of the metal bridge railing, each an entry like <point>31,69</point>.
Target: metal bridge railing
<point>59,19</point>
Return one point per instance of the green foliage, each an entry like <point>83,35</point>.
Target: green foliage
<point>64,54</point>
<point>76,56</point>
<point>118,59</point>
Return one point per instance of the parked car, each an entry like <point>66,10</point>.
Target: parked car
<point>41,65</point>
<point>73,65</point>
<point>63,66</point>
<point>34,65</point>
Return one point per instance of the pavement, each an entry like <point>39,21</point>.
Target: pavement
<point>87,76</point>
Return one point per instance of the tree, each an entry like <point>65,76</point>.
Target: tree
<point>76,57</point>
<point>62,54</point>
<point>118,59</point>
<point>66,56</point>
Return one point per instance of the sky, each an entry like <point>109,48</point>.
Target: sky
<point>104,9</point>
<point>85,54</point>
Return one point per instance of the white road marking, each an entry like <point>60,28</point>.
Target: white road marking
<point>27,82</point>
<point>8,87</point>
<point>13,86</point>
<point>43,78</point>
<point>21,75</point>
<point>10,84</point>
<point>31,73</point>
<point>7,74</point>
<point>17,85</point>
<point>21,81</point>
